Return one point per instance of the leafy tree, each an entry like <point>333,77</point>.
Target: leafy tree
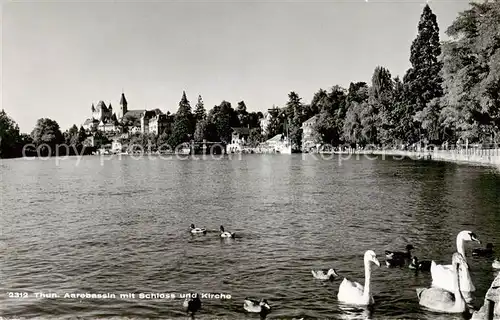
<point>47,134</point>
<point>200,113</point>
<point>294,116</point>
<point>274,127</point>
<point>423,81</point>
<point>201,131</point>
<point>377,120</point>
<point>352,129</point>
<point>182,130</point>
<point>471,74</point>
<point>222,118</point>
<point>241,111</point>
<point>9,136</point>
<point>255,137</point>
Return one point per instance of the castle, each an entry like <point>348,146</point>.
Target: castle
<point>133,121</point>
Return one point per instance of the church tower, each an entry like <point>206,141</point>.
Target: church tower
<point>123,107</point>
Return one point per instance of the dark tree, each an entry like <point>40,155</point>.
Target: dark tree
<point>9,136</point>
<point>423,81</point>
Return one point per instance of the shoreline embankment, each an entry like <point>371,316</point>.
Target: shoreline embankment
<point>487,157</point>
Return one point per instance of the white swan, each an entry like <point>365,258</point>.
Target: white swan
<point>197,230</point>
<point>225,234</point>
<point>354,293</point>
<point>496,265</point>
<point>440,300</point>
<point>324,275</point>
<point>443,276</point>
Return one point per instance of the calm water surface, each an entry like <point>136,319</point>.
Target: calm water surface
<point>123,227</point>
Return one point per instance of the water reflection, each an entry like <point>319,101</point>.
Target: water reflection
<point>355,312</point>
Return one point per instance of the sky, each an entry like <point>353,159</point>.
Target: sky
<point>59,57</point>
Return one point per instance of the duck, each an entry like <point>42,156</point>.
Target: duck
<point>254,306</point>
<point>225,234</point>
<point>325,274</point>
<point>395,262</point>
<point>192,304</point>
<point>197,230</point>
<point>398,255</point>
<point>443,275</point>
<point>483,252</point>
<point>441,300</point>
<point>424,265</point>
<point>351,292</point>
<point>496,264</point>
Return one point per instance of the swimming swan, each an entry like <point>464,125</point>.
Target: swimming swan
<point>443,275</point>
<point>225,234</point>
<point>354,293</point>
<point>325,275</point>
<point>438,299</point>
<point>496,264</point>
<point>197,230</point>
<point>253,306</point>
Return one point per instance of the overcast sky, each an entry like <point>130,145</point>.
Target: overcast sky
<point>60,57</point>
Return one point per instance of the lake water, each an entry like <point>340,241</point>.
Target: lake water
<point>122,226</point>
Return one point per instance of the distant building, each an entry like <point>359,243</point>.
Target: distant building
<point>239,138</point>
<point>275,144</point>
<point>160,123</point>
<point>134,121</point>
<point>148,115</point>
<point>309,133</point>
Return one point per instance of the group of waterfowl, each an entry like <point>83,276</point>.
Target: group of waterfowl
<point>193,303</point>
<point>223,233</point>
<point>451,284</point>
<point>449,292</point>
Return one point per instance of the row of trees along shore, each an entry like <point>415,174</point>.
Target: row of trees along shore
<point>450,92</point>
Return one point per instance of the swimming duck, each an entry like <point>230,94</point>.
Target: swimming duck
<point>398,255</point>
<point>420,265</point>
<point>443,276</point>
<point>483,252</point>
<point>253,306</point>
<point>197,230</point>
<point>192,304</point>
<point>225,234</point>
<point>442,300</point>
<point>325,274</point>
<point>496,264</point>
<point>395,262</point>
<point>351,292</point>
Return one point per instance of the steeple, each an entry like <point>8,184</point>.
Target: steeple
<point>123,101</point>
<point>110,108</point>
<point>93,108</point>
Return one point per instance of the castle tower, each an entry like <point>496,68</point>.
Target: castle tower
<point>93,110</point>
<point>123,107</point>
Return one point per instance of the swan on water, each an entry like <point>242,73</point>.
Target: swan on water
<point>325,274</point>
<point>197,230</point>
<point>441,300</point>
<point>351,292</point>
<point>443,275</point>
<point>496,264</point>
